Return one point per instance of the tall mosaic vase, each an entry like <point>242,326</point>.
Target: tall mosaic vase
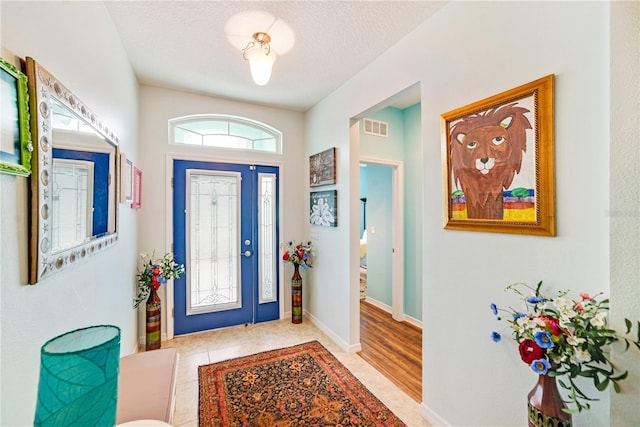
<point>296,295</point>
<point>545,405</point>
<point>154,320</point>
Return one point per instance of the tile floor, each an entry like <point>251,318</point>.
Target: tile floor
<point>214,346</point>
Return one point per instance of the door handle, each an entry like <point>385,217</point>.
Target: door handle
<point>247,253</point>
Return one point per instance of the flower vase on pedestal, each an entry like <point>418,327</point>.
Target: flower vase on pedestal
<point>153,320</point>
<point>545,405</point>
<point>296,295</point>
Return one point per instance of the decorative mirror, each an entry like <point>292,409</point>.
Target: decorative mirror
<point>74,180</point>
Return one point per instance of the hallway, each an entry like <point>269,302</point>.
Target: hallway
<point>393,348</point>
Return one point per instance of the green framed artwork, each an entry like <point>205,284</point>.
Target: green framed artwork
<point>323,208</point>
<point>15,138</point>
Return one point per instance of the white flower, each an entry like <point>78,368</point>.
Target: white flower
<point>563,303</point>
<point>574,341</point>
<point>321,214</point>
<point>581,356</point>
<point>598,319</point>
<point>532,324</point>
<point>567,316</point>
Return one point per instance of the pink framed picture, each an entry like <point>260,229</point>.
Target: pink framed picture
<point>136,203</point>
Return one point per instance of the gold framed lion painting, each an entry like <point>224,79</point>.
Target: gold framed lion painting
<point>498,162</point>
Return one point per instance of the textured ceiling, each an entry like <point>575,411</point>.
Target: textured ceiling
<point>183,45</point>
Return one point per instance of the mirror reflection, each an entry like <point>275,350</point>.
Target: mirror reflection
<point>82,199</point>
<point>74,181</point>
<point>72,203</point>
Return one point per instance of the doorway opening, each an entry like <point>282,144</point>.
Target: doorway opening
<point>381,235</point>
<point>391,157</point>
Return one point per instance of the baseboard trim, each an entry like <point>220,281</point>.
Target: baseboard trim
<point>405,318</point>
<point>378,304</point>
<point>432,417</point>
<point>336,339</point>
<point>413,321</point>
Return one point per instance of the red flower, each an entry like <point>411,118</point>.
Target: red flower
<point>553,323</point>
<point>286,256</point>
<point>586,297</point>
<point>155,270</point>
<point>530,351</point>
<point>155,285</point>
<point>579,306</point>
<point>300,253</point>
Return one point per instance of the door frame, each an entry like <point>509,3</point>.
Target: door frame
<point>397,233</point>
<point>214,158</point>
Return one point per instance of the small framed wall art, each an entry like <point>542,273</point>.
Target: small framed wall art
<point>126,179</point>
<point>15,137</point>
<point>322,168</point>
<point>498,162</point>
<point>323,208</point>
<point>136,202</point>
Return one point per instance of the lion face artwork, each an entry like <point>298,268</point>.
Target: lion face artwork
<point>486,153</point>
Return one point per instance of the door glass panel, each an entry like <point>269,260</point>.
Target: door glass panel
<point>213,230</point>
<point>267,236</point>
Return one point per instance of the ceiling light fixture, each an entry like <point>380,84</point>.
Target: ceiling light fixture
<point>261,58</point>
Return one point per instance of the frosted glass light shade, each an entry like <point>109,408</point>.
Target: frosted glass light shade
<point>79,378</point>
<point>261,62</point>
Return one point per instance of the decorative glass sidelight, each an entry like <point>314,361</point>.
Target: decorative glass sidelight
<point>267,237</point>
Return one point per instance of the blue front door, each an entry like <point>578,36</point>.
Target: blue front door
<point>225,233</point>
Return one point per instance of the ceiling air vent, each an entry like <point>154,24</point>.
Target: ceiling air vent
<point>375,127</point>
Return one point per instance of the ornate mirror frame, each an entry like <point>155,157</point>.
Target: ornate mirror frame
<point>43,262</point>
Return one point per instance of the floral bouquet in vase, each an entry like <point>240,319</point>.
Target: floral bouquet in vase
<point>155,272</point>
<point>566,338</point>
<point>298,254</point>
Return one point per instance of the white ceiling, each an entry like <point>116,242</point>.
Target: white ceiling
<point>182,45</point>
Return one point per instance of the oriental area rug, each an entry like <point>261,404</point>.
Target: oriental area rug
<point>303,385</point>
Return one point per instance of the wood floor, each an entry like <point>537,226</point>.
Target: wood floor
<point>393,348</point>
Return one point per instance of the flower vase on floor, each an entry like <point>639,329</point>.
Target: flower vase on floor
<point>545,405</point>
<point>296,295</point>
<point>153,320</point>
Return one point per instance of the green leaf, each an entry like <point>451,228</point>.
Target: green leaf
<point>622,376</point>
<point>601,386</point>
<point>628,323</point>
<point>538,287</point>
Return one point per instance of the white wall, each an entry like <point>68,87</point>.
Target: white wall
<point>157,106</point>
<point>625,197</point>
<point>466,52</point>
<point>78,44</point>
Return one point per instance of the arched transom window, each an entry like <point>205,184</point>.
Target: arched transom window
<point>222,131</point>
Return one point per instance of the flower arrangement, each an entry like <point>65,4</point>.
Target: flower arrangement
<point>299,254</point>
<point>156,272</point>
<point>564,337</point>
